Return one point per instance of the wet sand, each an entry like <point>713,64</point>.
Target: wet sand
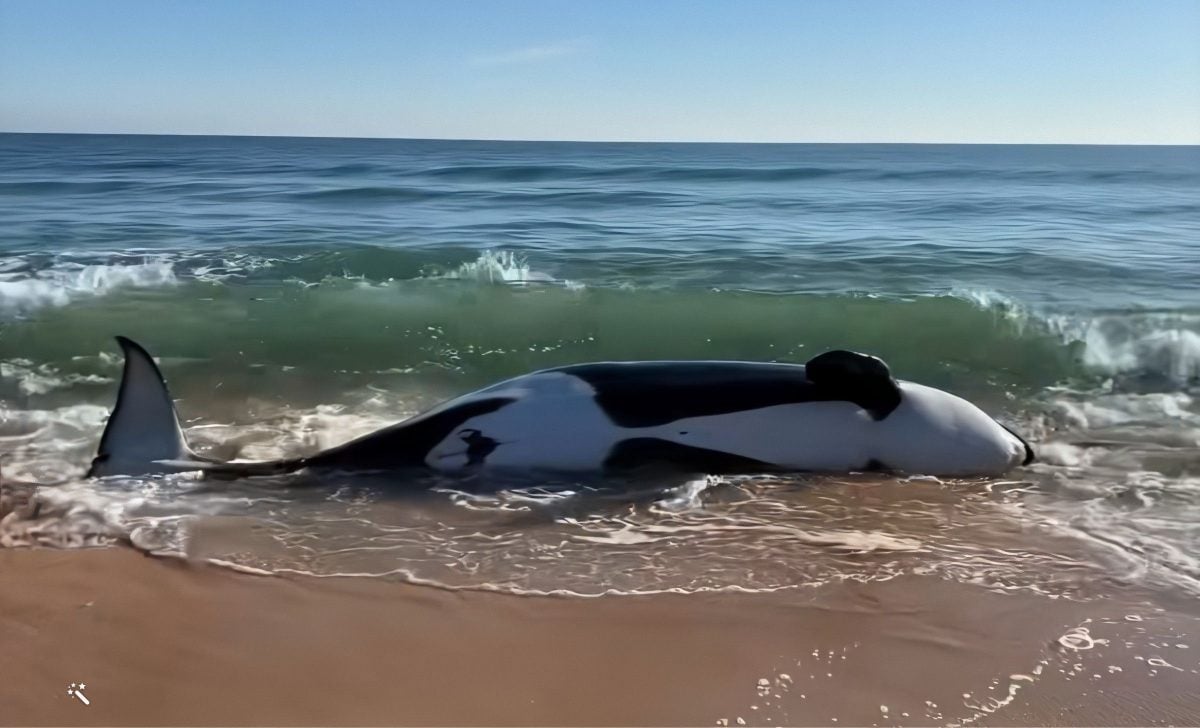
<point>159,642</point>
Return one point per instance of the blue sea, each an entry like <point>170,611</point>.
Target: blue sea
<point>300,292</point>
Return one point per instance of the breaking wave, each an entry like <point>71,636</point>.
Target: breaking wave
<point>23,291</point>
<point>498,267</point>
<point>1156,347</point>
<point>434,325</point>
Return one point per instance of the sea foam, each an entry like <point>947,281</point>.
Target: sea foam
<point>23,291</point>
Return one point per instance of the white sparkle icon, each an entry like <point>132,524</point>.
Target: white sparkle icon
<point>76,691</point>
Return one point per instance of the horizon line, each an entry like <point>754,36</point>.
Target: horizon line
<point>602,141</point>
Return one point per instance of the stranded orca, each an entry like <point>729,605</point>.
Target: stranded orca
<point>842,411</point>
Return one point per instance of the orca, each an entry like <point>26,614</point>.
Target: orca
<point>840,412</point>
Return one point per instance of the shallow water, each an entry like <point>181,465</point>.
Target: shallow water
<point>300,292</point>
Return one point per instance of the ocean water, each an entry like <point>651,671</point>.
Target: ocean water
<point>300,292</point>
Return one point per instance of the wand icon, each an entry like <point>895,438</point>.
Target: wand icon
<point>76,691</point>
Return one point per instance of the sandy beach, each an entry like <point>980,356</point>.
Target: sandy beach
<point>173,643</point>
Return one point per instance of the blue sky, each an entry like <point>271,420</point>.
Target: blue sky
<point>1082,71</point>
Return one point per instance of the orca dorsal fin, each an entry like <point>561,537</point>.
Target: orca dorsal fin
<point>143,427</point>
<point>859,378</point>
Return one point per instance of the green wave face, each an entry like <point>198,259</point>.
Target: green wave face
<point>459,335</point>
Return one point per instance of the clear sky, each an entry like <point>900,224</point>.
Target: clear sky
<point>1083,71</point>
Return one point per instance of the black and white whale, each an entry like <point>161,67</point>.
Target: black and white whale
<point>840,412</point>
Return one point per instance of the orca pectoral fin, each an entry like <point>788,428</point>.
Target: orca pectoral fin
<point>143,427</point>
<point>859,378</point>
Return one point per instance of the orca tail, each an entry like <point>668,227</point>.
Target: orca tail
<point>143,429</point>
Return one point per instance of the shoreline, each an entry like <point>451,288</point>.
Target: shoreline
<point>175,643</point>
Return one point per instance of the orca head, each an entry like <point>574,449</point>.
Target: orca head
<point>938,433</point>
